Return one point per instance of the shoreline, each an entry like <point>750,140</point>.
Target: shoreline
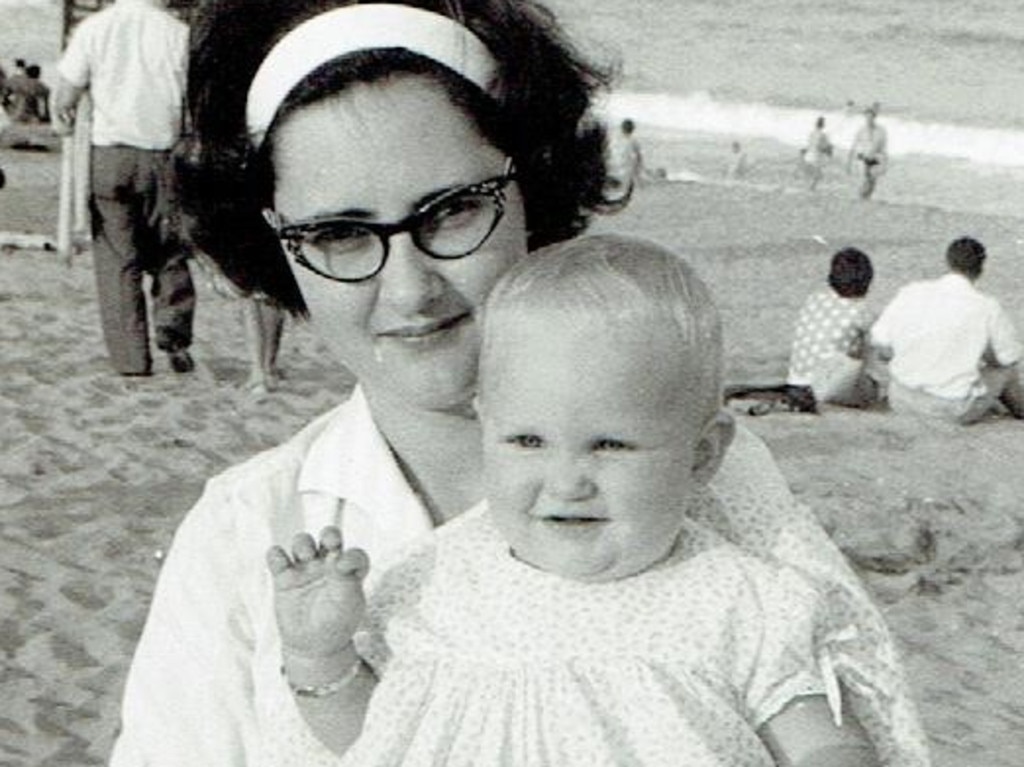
<point>950,185</point>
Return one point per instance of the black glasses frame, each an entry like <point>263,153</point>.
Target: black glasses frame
<point>292,234</point>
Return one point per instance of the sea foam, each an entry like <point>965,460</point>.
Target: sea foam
<point>699,111</point>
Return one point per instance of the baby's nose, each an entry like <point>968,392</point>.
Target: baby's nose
<point>568,479</point>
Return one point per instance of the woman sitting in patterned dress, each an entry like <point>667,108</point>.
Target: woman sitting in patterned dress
<point>830,345</point>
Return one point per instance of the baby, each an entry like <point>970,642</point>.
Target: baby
<point>579,616</point>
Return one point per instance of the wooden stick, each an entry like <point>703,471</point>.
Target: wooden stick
<point>65,208</point>
<point>83,152</point>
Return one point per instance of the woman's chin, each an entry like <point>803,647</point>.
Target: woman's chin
<point>440,389</point>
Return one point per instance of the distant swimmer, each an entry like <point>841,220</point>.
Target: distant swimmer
<point>739,164</point>
<point>815,154</point>
<point>870,147</point>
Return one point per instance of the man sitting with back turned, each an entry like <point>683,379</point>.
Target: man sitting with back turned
<point>953,350</point>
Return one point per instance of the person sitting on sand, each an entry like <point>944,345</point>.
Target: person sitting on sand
<point>581,585</point>
<point>28,97</point>
<point>830,344</point>
<point>815,154</point>
<point>953,351</point>
<point>19,69</point>
<point>870,148</point>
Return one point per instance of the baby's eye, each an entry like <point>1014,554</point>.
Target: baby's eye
<point>531,441</point>
<point>610,444</point>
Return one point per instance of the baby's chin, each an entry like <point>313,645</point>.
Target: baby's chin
<point>602,570</point>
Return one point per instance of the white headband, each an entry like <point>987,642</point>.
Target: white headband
<point>355,28</point>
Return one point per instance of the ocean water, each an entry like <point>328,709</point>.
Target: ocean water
<point>949,77</point>
<point>948,74</point>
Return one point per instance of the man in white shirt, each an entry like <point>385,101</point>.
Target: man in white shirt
<point>870,147</point>
<point>953,350</point>
<point>131,57</point>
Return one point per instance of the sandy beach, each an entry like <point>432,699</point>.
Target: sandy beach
<point>97,470</point>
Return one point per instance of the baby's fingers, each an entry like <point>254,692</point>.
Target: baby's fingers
<point>303,565</point>
<point>354,563</point>
<point>277,560</point>
<point>303,548</point>
<point>330,540</point>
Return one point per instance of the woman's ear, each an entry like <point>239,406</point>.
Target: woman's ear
<point>711,447</point>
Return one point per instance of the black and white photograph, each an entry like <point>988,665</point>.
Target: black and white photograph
<point>511,383</point>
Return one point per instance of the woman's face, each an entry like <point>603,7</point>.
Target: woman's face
<point>376,152</point>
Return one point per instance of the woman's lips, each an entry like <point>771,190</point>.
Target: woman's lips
<point>425,331</point>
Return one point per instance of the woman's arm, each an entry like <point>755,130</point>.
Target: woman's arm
<point>188,696</point>
<point>804,735</point>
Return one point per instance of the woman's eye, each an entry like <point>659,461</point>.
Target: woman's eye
<point>529,441</point>
<point>610,444</point>
<point>458,212</point>
<point>339,240</point>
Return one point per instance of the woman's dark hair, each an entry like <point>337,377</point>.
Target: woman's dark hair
<point>541,121</point>
<point>851,273</point>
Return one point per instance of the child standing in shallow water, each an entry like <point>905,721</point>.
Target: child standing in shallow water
<point>579,617</point>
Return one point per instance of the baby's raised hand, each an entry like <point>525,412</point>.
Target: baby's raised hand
<point>318,595</point>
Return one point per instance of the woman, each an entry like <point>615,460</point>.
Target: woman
<point>474,137</point>
<point>831,352</point>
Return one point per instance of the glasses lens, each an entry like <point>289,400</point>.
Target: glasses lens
<point>458,225</point>
<point>343,250</point>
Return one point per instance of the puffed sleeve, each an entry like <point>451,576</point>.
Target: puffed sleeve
<point>753,507</point>
<point>782,665</point>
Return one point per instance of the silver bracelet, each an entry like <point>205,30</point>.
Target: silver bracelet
<point>330,688</point>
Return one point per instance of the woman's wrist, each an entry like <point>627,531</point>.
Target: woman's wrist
<point>303,671</point>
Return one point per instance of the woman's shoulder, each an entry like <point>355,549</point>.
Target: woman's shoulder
<point>748,466</point>
<point>265,481</point>
<point>284,456</point>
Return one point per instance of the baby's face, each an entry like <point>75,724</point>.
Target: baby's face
<point>590,445</point>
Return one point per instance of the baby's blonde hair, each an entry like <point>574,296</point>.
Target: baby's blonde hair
<point>623,280</point>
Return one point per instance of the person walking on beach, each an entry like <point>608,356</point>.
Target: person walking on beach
<point>815,154</point>
<point>953,351</point>
<point>625,165</point>
<point>870,148</point>
<point>131,56</point>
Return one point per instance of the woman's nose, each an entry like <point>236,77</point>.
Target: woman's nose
<point>410,279</point>
<point>568,479</point>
